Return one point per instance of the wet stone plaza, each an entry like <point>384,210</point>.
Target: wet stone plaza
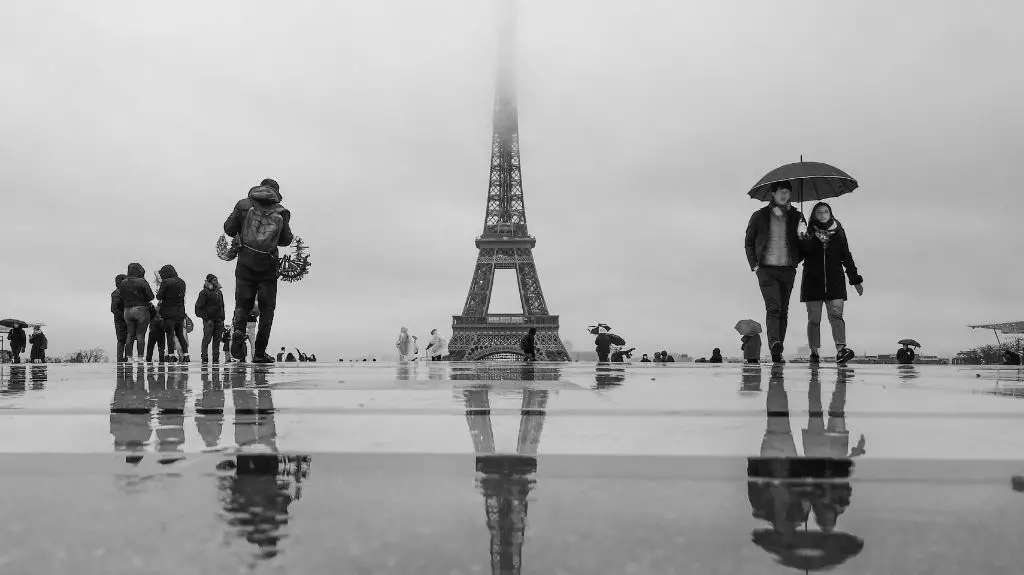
<point>510,468</point>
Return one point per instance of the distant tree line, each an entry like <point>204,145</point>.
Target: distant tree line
<point>93,355</point>
<point>991,353</point>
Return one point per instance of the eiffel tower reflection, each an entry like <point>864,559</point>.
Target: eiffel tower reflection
<point>506,478</point>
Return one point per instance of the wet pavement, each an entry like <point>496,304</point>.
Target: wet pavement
<point>508,468</point>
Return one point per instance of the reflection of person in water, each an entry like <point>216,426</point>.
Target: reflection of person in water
<point>256,495</point>
<point>15,384</point>
<point>210,406</point>
<point>130,414</point>
<point>168,385</point>
<point>784,488</point>
<point>750,379</point>
<point>607,376</point>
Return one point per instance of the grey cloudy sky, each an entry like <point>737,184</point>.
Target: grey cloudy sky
<point>130,129</point>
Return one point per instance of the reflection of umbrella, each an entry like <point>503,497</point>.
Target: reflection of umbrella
<point>809,550</point>
<point>748,327</point>
<point>13,323</point>
<point>616,340</point>
<point>912,342</point>
<point>813,181</point>
<point>595,328</point>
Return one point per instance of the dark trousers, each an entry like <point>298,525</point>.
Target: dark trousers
<point>213,329</point>
<point>175,328</point>
<point>254,288</point>
<point>156,339</point>
<point>776,287</point>
<point>602,354</point>
<point>121,331</point>
<point>16,351</point>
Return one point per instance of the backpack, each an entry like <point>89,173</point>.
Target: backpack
<point>261,228</point>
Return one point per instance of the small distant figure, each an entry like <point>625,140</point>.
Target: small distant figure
<point>225,339</point>
<point>302,357</point>
<point>405,345</point>
<point>281,354</point>
<point>905,355</point>
<point>716,356</point>
<point>438,347</point>
<point>529,344</point>
<point>157,339</point>
<point>312,357</point>
<point>667,357</point>
<point>751,346</point>
<point>603,344</point>
<point>117,310</point>
<point>620,355</point>
<point>290,357</point>
<point>38,342</point>
<point>701,360</point>
<point>210,309</point>
<point>18,341</point>
<point>252,322</point>
<point>657,357</point>
<point>136,296</point>
<point>1011,357</point>
<point>645,359</point>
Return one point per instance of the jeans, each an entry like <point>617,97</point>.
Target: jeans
<point>776,284</point>
<point>834,310</point>
<point>16,351</point>
<point>121,331</point>
<point>175,328</point>
<point>253,288</point>
<point>137,320</point>
<point>156,339</point>
<point>213,329</point>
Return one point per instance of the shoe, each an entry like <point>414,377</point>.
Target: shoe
<point>776,350</point>
<point>205,359</point>
<point>845,355</point>
<point>185,359</point>
<point>814,358</point>
<point>262,358</point>
<point>238,346</point>
<point>172,357</point>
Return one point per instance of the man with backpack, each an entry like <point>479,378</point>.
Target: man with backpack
<point>262,226</point>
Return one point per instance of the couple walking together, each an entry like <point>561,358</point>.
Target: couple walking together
<point>777,240</point>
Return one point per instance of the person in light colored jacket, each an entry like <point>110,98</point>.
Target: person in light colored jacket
<point>406,345</point>
<point>438,347</point>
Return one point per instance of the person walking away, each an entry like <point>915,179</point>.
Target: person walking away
<point>172,308</point>
<point>603,344</point>
<point>826,253</point>
<point>136,296</point>
<point>529,344</point>
<point>751,346</point>
<point>262,225</point>
<point>39,344</point>
<point>210,309</point>
<point>773,252</point>
<point>716,356</point>
<point>280,355</point>
<point>157,338</point>
<point>438,347</point>
<point>117,310</point>
<point>404,344</point>
<point>18,341</point>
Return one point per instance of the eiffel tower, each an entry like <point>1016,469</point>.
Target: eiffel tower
<point>506,479</point>
<point>505,242</point>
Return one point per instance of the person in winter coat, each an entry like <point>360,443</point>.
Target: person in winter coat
<point>438,347</point>
<point>751,346</point>
<point>210,309</point>
<point>603,344</point>
<point>117,310</point>
<point>157,337</point>
<point>529,344</point>
<point>405,345</point>
<point>291,357</point>
<point>263,225</point>
<point>39,344</point>
<point>826,253</point>
<point>905,355</point>
<point>716,356</point>
<point>226,341</point>
<point>772,245</point>
<point>281,354</point>
<point>172,308</point>
<point>666,357</point>
<point>135,297</point>
<point>18,341</point>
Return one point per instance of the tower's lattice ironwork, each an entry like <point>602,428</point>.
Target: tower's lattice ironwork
<point>505,242</point>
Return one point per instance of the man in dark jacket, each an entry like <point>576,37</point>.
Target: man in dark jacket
<point>529,344</point>
<point>210,308</point>
<point>117,310</point>
<point>773,252</point>
<point>263,226</point>
<point>157,336</point>
<point>18,341</point>
<point>172,308</point>
<point>603,345</point>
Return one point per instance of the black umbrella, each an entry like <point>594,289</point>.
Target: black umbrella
<point>809,550</point>
<point>13,323</point>
<point>616,340</point>
<point>594,329</point>
<point>912,342</point>
<point>813,181</point>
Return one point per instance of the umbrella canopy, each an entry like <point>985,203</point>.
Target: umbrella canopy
<point>809,550</point>
<point>748,327</point>
<point>912,342</point>
<point>595,328</point>
<point>616,340</point>
<point>811,181</point>
<point>13,323</point>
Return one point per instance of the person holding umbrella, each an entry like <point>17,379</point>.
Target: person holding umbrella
<point>750,340</point>
<point>17,338</point>
<point>826,253</point>
<point>772,245</point>
<point>905,355</point>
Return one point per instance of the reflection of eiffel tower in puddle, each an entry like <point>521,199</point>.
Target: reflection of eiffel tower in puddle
<point>506,477</point>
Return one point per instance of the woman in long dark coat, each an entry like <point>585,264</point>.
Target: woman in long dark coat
<point>826,255</point>
<point>38,342</point>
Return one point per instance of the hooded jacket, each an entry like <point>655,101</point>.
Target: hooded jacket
<point>758,229</point>
<point>210,304</point>
<point>134,289</point>
<point>17,337</point>
<point>265,197</point>
<point>824,265</point>
<point>171,294</point>
<point>116,307</point>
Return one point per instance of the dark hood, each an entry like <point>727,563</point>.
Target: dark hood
<point>168,272</point>
<point>265,195</point>
<point>118,279</point>
<point>136,270</point>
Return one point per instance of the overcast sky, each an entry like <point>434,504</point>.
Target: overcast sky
<point>129,129</point>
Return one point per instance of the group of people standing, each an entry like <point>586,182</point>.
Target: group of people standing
<point>261,225</point>
<point>777,240</point>
<point>409,349</point>
<point>16,336</point>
